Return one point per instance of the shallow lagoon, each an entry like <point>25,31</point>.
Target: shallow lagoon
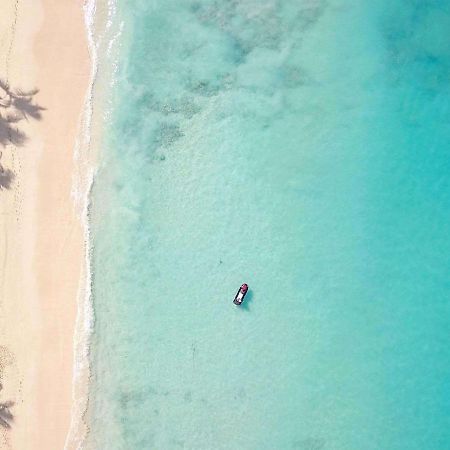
<point>303,148</point>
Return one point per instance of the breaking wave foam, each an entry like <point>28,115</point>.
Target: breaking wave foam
<point>85,170</point>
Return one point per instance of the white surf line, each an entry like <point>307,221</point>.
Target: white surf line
<point>81,189</point>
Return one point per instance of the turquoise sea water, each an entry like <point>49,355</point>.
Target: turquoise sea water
<point>303,147</point>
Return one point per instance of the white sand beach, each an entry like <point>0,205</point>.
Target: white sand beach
<point>43,46</point>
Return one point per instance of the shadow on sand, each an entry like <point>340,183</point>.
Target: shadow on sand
<point>6,178</point>
<point>6,416</point>
<point>15,105</point>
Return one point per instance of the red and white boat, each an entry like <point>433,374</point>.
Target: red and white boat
<point>239,298</point>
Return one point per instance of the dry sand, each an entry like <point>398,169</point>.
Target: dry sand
<point>42,44</point>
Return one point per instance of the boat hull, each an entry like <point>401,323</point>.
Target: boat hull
<point>239,297</point>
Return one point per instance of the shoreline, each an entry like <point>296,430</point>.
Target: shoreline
<point>44,243</point>
<point>83,179</point>
<point>101,33</point>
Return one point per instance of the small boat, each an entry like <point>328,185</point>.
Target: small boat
<point>239,298</point>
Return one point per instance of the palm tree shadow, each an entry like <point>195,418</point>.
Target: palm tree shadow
<point>6,178</point>
<point>6,417</point>
<point>15,105</point>
<point>247,300</point>
<point>10,134</point>
<point>25,106</point>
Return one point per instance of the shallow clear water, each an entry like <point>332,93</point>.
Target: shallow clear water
<point>301,147</point>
